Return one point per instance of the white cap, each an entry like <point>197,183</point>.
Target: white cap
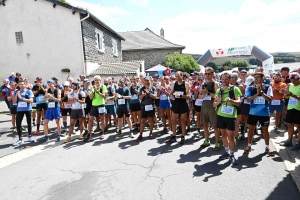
<point>249,80</point>
<point>66,83</point>
<point>12,73</point>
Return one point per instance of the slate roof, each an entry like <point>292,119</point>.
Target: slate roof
<point>146,40</point>
<point>117,68</point>
<point>85,12</point>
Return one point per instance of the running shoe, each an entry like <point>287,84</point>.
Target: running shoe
<point>217,146</point>
<point>119,135</point>
<point>45,139</point>
<point>42,122</point>
<point>233,159</point>
<point>14,130</point>
<point>16,144</point>
<point>131,135</point>
<point>276,131</point>
<point>241,137</point>
<point>287,143</point>
<point>88,138</point>
<point>36,132</point>
<point>81,136</point>
<point>224,156</point>
<point>30,140</point>
<point>139,138</point>
<point>171,140</point>
<point>151,136</point>
<point>157,127</point>
<point>23,128</point>
<point>258,127</point>
<point>205,144</point>
<point>68,140</point>
<point>296,147</point>
<point>101,136</point>
<point>247,150</point>
<point>57,138</point>
<point>182,140</point>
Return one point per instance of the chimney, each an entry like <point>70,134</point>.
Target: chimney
<point>162,33</point>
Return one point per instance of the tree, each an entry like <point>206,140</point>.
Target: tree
<point>227,65</point>
<point>63,1</point>
<point>240,63</point>
<point>179,62</point>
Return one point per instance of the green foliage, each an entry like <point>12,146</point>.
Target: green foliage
<point>64,1</point>
<point>179,62</point>
<point>240,63</point>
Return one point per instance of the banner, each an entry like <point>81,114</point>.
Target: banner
<point>232,51</point>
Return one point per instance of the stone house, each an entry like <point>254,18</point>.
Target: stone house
<point>47,36</point>
<point>148,46</point>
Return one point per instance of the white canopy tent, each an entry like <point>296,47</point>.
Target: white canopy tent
<point>156,68</point>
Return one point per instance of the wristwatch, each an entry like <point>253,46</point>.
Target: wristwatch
<point>261,93</point>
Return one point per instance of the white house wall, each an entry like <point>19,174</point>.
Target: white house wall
<point>52,40</point>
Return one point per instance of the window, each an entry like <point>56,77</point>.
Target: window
<point>19,37</point>
<point>115,47</point>
<point>99,40</point>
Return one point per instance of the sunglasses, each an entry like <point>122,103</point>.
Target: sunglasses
<point>207,74</point>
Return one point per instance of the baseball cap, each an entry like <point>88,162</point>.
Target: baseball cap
<point>155,76</point>
<point>12,73</point>
<point>66,83</point>
<point>243,71</point>
<point>109,78</point>
<point>200,78</point>
<point>195,73</point>
<point>249,80</point>
<point>82,75</point>
<point>122,80</point>
<point>75,83</point>
<point>147,78</point>
<point>233,75</point>
<point>38,78</point>
<point>294,75</point>
<point>86,80</point>
<point>50,81</point>
<point>267,81</point>
<point>54,78</point>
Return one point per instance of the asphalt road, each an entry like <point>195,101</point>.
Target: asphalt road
<point>124,169</point>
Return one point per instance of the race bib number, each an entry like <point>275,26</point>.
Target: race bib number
<point>193,98</point>
<point>227,109</point>
<point>207,97</point>
<point>259,100</point>
<point>76,106</point>
<point>293,101</point>
<point>134,97</point>
<point>121,101</point>
<point>68,106</point>
<point>148,107</point>
<point>163,97</point>
<point>101,110</point>
<point>198,102</point>
<point>22,104</point>
<point>41,98</point>
<point>51,105</point>
<point>180,93</point>
<point>275,102</point>
<point>33,105</point>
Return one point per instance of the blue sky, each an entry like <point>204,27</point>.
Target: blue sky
<point>200,25</point>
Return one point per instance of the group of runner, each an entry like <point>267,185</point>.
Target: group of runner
<point>228,104</point>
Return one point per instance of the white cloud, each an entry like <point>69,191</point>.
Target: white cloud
<point>272,27</point>
<point>141,3</point>
<point>107,14</point>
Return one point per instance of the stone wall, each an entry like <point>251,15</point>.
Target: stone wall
<point>151,57</point>
<point>92,54</point>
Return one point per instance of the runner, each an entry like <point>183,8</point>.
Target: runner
<point>155,83</point>
<point>77,99</point>
<point>135,103</point>
<point>23,98</point>
<point>163,92</point>
<point>181,92</point>
<point>53,95</point>
<point>10,93</point>
<point>4,89</point>
<point>277,103</point>
<point>122,97</point>
<point>148,95</point>
<point>208,113</point>
<point>65,106</point>
<point>227,99</point>
<point>260,96</point>
<point>198,102</point>
<point>39,90</point>
<point>97,94</point>
<point>87,105</point>
<point>110,104</point>
<point>293,110</point>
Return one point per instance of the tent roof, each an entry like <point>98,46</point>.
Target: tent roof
<point>156,68</point>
